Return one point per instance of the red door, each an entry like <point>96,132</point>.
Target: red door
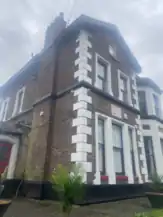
<point>5,150</point>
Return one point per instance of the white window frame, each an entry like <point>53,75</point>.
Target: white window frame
<point>121,125</point>
<point>159,104</point>
<point>109,149</point>
<point>5,101</point>
<point>120,73</point>
<point>16,110</point>
<point>108,71</point>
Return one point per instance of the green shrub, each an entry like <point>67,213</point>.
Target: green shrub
<point>154,213</point>
<point>157,181</point>
<point>69,185</point>
<point>141,214</point>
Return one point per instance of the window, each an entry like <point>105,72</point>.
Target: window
<point>161,142</point>
<point>146,127</point>
<point>112,51</point>
<point>101,75</point>
<point>130,132</point>
<point>4,108</point>
<point>118,149</point>
<point>149,155</point>
<point>19,101</point>
<point>156,105</point>
<point>142,102</point>
<point>124,88</point>
<point>101,145</point>
<point>124,91</point>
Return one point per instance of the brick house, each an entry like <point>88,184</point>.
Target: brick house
<point>75,102</point>
<point>152,123</point>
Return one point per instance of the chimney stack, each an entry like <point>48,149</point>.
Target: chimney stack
<point>54,29</point>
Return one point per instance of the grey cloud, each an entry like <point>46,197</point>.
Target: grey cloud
<point>22,28</point>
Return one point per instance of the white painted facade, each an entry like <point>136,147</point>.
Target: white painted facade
<point>156,135</point>
<point>153,127</point>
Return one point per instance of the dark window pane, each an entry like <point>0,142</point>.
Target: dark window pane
<point>101,145</point>
<point>149,155</point>
<point>132,150</point>
<point>156,105</point>
<point>161,142</point>
<point>118,149</point>
<point>124,88</point>
<point>101,75</point>
<point>146,127</point>
<point>142,102</point>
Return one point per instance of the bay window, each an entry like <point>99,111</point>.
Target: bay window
<point>142,102</point>
<point>156,105</point>
<point>149,155</point>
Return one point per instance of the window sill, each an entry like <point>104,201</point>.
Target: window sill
<point>110,92</point>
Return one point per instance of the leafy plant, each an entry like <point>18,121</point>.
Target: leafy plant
<point>153,213</point>
<point>69,186</point>
<point>157,181</point>
<point>156,213</point>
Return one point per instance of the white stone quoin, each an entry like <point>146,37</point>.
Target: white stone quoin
<point>83,115</point>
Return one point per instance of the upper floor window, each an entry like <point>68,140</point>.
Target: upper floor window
<point>19,101</point>
<point>124,88</point>
<point>142,102</point>
<point>3,109</point>
<point>103,74</point>
<point>112,51</point>
<point>156,105</point>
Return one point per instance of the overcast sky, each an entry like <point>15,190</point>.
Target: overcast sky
<point>23,24</point>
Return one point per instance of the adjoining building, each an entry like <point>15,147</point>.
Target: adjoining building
<point>152,124</point>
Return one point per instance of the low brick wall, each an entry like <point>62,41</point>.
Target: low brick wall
<point>94,194</point>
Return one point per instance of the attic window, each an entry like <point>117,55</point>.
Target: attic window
<point>112,51</point>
